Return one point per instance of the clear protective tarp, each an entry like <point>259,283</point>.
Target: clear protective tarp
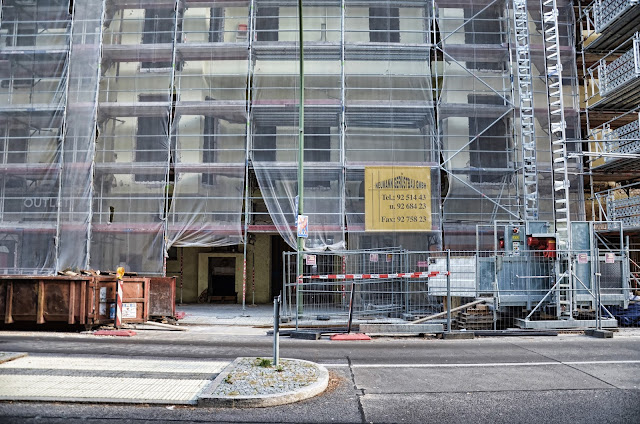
<point>132,149</point>
<point>79,138</point>
<point>389,112</point>
<point>34,47</point>
<point>129,131</point>
<point>275,123</point>
<point>209,128</point>
<point>476,113</point>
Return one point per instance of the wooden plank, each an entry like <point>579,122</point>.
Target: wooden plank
<point>8,319</point>
<point>83,302</point>
<point>72,302</point>
<point>443,314</point>
<point>145,311</point>
<point>40,308</point>
<point>91,297</point>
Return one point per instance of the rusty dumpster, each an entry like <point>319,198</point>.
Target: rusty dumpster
<point>162,297</point>
<point>83,300</point>
<point>45,299</point>
<point>135,299</point>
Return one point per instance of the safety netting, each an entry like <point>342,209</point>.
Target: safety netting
<point>275,120</point>
<point>79,138</point>
<point>390,123</point>
<point>209,128</point>
<point>34,58</point>
<point>130,127</point>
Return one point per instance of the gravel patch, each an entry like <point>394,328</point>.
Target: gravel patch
<point>249,378</point>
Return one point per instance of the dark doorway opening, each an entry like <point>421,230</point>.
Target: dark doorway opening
<point>222,280</point>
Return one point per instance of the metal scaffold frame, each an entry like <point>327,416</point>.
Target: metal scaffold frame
<point>527,118</point>
<point>438,92</point>
<point>560,169</point>
<point>610,52</point>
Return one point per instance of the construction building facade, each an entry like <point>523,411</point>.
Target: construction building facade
<point>162,135</point>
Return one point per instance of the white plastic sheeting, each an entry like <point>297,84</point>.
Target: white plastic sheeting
<point>368,102</point>
<point>34,50</point>
<point>132,149</point>
<point>79,138</point>
<point>131,127</point>
<point>209,128</point>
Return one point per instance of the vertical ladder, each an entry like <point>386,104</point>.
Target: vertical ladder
<point>559,165</point>
<point>527,126</point>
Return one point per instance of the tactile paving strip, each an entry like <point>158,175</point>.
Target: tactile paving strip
<point>33,379</point>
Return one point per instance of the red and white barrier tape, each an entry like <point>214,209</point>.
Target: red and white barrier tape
<point>376,276</point>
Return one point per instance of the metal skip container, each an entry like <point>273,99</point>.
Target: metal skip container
<point>45,299</point>
<point>135,299</point>
<point>83,300</point>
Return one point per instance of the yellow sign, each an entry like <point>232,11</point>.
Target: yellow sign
<point>397,198</point>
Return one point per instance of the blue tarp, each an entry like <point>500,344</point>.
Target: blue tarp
<point>629,317</point>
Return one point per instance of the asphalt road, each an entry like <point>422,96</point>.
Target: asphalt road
<point>512,380</point>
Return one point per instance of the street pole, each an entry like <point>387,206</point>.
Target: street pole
<point>448,291</point>
<point>276,331</point>
<point>300,246</point>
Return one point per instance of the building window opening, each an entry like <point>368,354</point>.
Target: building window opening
<point>151,138</point>
<point>384,25</point>
<point>158,29</point>
<point>216,25</point>
<point>317,144</point>
<point>267,23</point>
<point>489,152</point>
<point>483,28</point>
<point>264,144</point>
<point>209,147</point>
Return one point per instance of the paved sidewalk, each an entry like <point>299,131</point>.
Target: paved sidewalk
<point>248,382</point>
<point>261,315</point>
<point>209,314</point>
<point>106,379</point>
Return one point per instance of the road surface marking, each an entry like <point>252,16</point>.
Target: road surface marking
<point>496,364</point>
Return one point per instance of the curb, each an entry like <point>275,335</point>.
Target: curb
<point>262,401</point>
<point>10,356</point>
<point>118,333</point>
<point>350,336</point>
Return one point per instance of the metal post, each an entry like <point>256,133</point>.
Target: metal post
<point>448,291</point>
<point>300,161</point>
<point>285,286</point>
<point>597,290</point>
<point>276,330</point>
<point>118,317</point>
<point>353,289</point>
<point>248,135</point>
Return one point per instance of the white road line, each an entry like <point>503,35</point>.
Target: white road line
<point>478,365</point>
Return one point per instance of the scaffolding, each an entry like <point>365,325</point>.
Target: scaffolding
<point>131,126</point>
<point>610,47</point>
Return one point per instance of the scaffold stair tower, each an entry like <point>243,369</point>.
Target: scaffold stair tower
<point>527,126</point>
<point>560,171</point>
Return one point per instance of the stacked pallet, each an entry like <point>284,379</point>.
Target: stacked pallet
<point>478,318</point>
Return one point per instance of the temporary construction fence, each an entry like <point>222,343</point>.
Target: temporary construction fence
<point>485,289</point>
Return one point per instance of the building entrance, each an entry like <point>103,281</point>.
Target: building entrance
<point>222,279</point>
